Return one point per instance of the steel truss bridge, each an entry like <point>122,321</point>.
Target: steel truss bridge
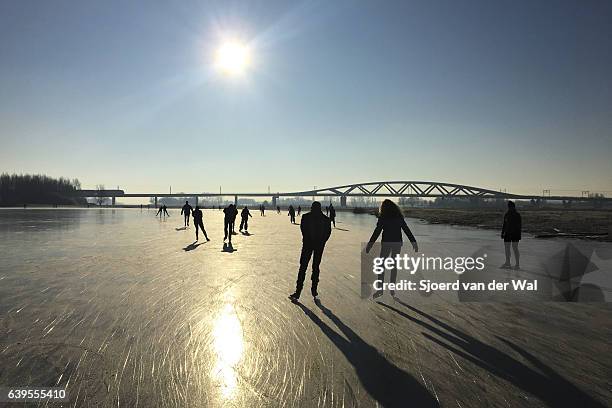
<point>422,189</point>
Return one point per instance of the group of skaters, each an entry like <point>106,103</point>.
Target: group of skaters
<point>316,230</point>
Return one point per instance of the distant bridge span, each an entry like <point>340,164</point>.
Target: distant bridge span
<point>423,189</point>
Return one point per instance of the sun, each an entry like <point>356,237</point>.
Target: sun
<point>233,58</point>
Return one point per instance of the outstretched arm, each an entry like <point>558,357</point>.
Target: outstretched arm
<point>410,236</point>
<point>374,236</point>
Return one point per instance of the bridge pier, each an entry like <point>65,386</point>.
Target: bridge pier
<point>274,201</point>
<point>156,202</point>
<point>113,201</point>
<point>196,203</point>
<point>235,201</point>
<point>343,201</point>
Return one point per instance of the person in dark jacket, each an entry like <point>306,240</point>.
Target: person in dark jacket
<point>511,234</point>
<point>198,223</point>
<point>292,214</point>
<point>229,220</point>
<point>316,230</point>
<point>299,210</point>
<point>186,212</point>
<point>391,223</point>
<point>244,219</point>
<point>332,214</point>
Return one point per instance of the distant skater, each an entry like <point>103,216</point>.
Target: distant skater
<point>291,214</point>
<point>166,210</point>
<point>186,212</point>
<point>316,229</point>
<point>327,210</point>
<point>278,209</point>
<point>511,234</point>
<point>263,210</point>
<point>391,223</point>
<point>332,214</point>
<point>228,221</point>
<point>198,222</point>
<point>244,219</point>
<point>299,210</point>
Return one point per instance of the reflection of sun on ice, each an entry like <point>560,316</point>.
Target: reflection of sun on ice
<point>233,58</point>
<point>228,345</point>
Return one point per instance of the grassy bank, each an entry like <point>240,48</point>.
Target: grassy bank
<point>541,222</point>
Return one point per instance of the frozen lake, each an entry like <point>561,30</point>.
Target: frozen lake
<point>122,309</point>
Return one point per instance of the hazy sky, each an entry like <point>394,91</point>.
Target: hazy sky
<point>498,94</point>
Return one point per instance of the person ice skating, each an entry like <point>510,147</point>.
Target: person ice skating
<point>327,210</point>
<point>332,214</point>
<point>244,219</point>
<point>511,234</point>
<point>229,220</point>
<point>291,214</point>
<point>278,209</point>
<point>186,212</point>
<point>391,223</point>
<point>198,222</point>
<point>299,210</point>
<point>316,229</point>
<point>166,210</point>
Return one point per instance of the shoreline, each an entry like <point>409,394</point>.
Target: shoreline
<point>542,223</point>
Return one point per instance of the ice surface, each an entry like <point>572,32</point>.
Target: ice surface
<point>124,309</point>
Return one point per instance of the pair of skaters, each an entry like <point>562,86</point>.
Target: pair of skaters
<point>163,211</point>
<point>197,218</point>
<point>316,230</point>
<point>229,221</point>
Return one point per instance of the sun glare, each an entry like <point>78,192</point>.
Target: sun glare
<point>232,58</point>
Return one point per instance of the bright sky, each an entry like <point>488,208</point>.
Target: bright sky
<point>514,95</point>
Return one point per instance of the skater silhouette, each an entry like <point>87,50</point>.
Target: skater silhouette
<point>186,212</point>
<point>511,234</point>
<point>228,221</point>
<point>262,210</point>
<point>299,210</point>
<point>316,229</point>
<point>391,223</point>
<point>278,209</point>
<point>198,222</point>
<point>292,214</point>
<point>332,214</point>
<point>244,219</point>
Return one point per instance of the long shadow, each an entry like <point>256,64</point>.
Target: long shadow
<point>341,229</point>
<point>547,385</point>
<point>192,246</point>
<point>385,382</point>
<point>181,229</point>
<point>246,233</point>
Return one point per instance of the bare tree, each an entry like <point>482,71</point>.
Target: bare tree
<point>100,200</point>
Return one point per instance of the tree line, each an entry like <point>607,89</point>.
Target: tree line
<point>20,189</point>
